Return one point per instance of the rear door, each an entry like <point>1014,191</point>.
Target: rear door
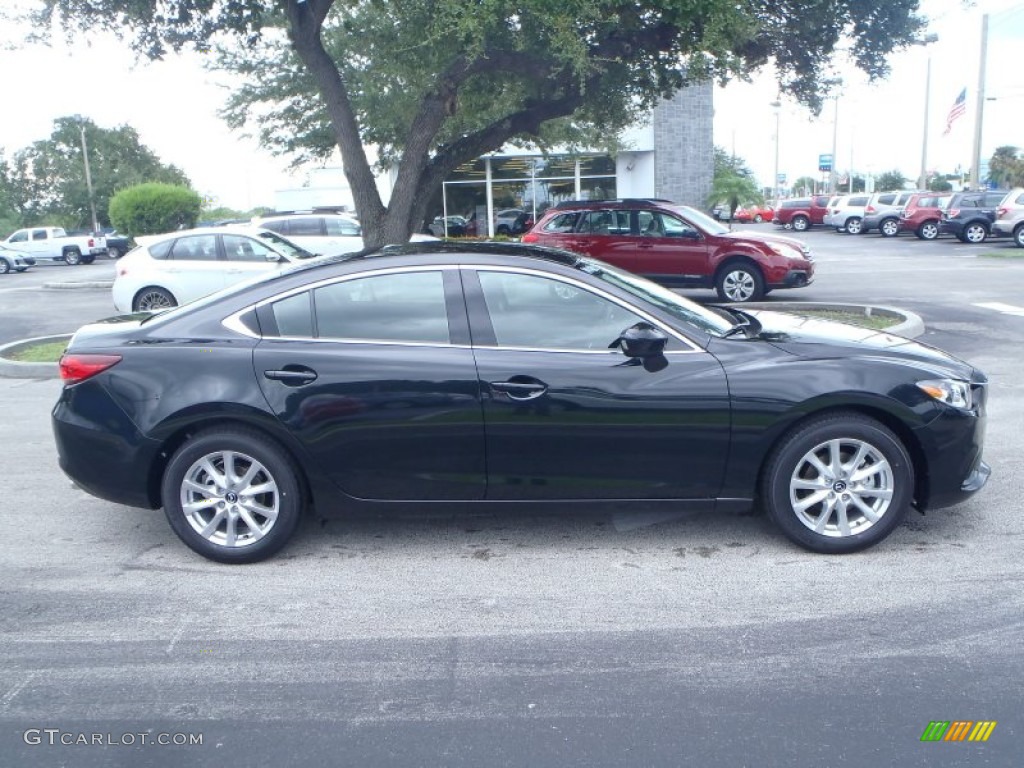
<point>607,235</point>
<point>192,268</point>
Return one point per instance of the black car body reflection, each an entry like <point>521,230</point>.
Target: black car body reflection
<point>446,373</point>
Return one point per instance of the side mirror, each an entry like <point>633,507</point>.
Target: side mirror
<point>271,256</point>
<point>641,341</point>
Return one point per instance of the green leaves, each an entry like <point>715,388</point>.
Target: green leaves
<point>150,209</point>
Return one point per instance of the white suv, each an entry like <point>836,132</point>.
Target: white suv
<point>847,213</point>
<point>322,233</point>
<point>1010,217</point>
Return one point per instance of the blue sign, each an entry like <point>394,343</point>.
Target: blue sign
<point>781,178</point>
<point>825,162</point>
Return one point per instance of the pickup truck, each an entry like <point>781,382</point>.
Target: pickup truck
<point>54,244</point>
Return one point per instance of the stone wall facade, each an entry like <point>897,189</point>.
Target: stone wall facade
<point>684,146</point>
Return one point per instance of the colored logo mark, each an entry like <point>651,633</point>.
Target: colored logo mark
<point>958,730</point>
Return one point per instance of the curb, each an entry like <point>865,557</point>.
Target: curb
<point>72,285</point>
<point>910,325</point>
<point>16,369</point>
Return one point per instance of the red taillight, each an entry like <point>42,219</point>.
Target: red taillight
<point>869,209</point>
<point>529,237</point>
<point>77,368</point>
<point>91,242</point>
<point>953,213</point>
<point>1002,212</point>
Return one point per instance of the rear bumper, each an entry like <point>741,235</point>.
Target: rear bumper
<point>1004,228</point>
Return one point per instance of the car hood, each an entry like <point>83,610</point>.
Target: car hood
<point>747,237</point>
<point>812,337</point>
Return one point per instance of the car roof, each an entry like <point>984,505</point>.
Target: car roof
<point>622,201</point>
<point>230,229</point>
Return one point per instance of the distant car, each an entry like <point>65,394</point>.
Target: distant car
<point>923,212</point>
<point>444,372</point>
<point>13,260</point>
<point>117,245</point>
<point>456,226</point>
<point>53,244</point>
<point>847,213</point>
<point>801,213</point>
<point>505,219</point>
<point>676,245</point>
<point>882,212</point>
<point>1010,217</point>
<point>754,213</point>
<point>970,215</point>
<point>523,223</point>
<point>179,267</point>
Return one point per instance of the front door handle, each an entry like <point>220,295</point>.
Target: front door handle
<point>520,387</point>
<point>292,375</point>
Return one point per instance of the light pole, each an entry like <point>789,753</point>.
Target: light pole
<point>777,105</point>
<point>833,177</point>
<point>976,158</point>
<point>88,182</point>
<point>923,178</point>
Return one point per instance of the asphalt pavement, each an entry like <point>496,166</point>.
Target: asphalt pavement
<point>600,638</point>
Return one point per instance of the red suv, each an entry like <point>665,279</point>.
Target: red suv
<point>922,214</point>
<point>677,246</point>
<point>801,213</point>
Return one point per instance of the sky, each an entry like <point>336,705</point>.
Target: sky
<point>173,105</point>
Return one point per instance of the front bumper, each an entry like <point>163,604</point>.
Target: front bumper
<point>952,445</point>
<point>795,278</point>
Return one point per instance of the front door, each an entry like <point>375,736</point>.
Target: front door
<point>670,251</point>
<point>569,418</point>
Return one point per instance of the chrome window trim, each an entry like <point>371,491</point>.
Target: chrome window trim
<point>234,323</point>
<point>590,289</point>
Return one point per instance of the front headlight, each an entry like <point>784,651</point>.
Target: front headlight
<point>787,251</point>
<point>949,391</point>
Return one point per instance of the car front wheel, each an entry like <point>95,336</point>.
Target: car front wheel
<point>975,233</point>
<point>801,223</point>
<point>114,252</point>
<point>889,227</point>
<point>739,282</point>
<point>853,226</point>
<point>5,266</point>
<point>840,483</point>
<point>232,495</point>
<point>1018,235</point>
<point>929,230</point>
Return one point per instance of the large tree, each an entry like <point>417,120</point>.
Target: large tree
<point>435,83</point>
<point>1006,168</point>
<point>45,182</point>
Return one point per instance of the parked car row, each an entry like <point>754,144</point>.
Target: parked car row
<point>971,217</point>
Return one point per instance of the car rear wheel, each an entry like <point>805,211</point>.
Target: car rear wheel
<point>929,230</point>
<point>153,298</point>
<point>758,218</point>
<point>1018,236</point>
<point>738,282</point>
<point>72,256</point>
<point>232,495</point>
<point>889,227</point>
<point>853,225</point>
<point>801,223</point>
<point>5,266</point>
<point>840,483</point>
<point>114,252</point>
<point>975,233</point>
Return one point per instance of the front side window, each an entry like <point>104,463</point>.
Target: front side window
<point>19,237</point>
<point>407,307</point>
<point>339,226</point>
<point>562,222</point>
<point>195,248</point>
<point>857,201</point>
<point>238,248</point>
<point>528,311</point>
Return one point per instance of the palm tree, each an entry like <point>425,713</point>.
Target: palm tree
<point>733,184</point>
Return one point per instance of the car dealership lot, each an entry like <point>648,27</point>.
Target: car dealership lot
<point>595,638</point>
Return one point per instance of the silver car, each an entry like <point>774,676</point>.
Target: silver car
<point>12,260</point>
<point>847,213</point>
<point>1010,217</point>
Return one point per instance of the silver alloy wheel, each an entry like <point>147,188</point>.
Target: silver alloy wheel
<point>739,285</point>
<point>800,223</point>
<point>5,267</point>
<point>841,487</point>
<point>230,499</point>
<point>114,252</point>
<point>72,257</point>
<point>890,228</point>
<point>1018,235</point>
<point>153,299</point>
<point>975,233</point>
<point>853,226</point>
<point>929,230</point>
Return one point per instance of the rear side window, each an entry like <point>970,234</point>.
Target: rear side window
<point>605,223</point>
<point>821,202</point>
<point>562,222</point>
<point>160,250</point>
<point>195,248</point>
<point>886,199</point>
<point>276,225</point>
<point>293,316</point>
<point>38,234</point>
<point>1019,200</point>
<point>341,227</point>
<point>994,198</point>
<point>857,201</point>
<point>305,226</point>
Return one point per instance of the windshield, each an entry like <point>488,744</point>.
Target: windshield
<point>662,298</point>
<point>286,246</point>
<point>702,220</point>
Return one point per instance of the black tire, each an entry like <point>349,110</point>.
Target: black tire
<point>5,266</point>
<point>1018,236</point>
<point>789,479</point>
<point>230,512</point>
<point>86,260</point>
<point>739,281</point>
<point>975,233</point>
<point>503,230</point>
<point>889,227</point>
<point>801,223</point>
<point>929,230</point>
<point>152,298</point>
<point>758,218</point>
<point>854,226</point>
<point>72,256</point>
<point>113,252</point>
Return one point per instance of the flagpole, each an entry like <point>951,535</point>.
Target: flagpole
<point>976,162</point>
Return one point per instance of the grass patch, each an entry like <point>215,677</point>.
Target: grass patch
<point>1016,253</point>
<point>875,322</point>
<point>46,352</point>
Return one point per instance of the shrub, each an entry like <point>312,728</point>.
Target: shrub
<point>150,209</point>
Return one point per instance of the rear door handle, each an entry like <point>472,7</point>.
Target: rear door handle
<point>520,387</point>
<point>292,375</point>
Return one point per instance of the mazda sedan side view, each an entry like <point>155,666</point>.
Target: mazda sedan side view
<point>463,374</point>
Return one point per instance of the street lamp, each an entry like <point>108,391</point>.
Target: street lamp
<point>777,106</point>
<point>923,178</point>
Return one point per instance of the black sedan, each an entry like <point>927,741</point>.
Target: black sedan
<point>476,373</point>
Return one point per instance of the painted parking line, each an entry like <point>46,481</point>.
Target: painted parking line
<point>998,306</point>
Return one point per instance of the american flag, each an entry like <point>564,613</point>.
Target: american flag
<point>958,108</point>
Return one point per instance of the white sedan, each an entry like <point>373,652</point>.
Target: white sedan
<point>178,267</point>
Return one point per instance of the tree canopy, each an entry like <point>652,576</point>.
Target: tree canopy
<point>1006,168</point>
<point>44,183</point>
<point>433,84</point>
<point>733,183</point>
<point>890,180</point>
